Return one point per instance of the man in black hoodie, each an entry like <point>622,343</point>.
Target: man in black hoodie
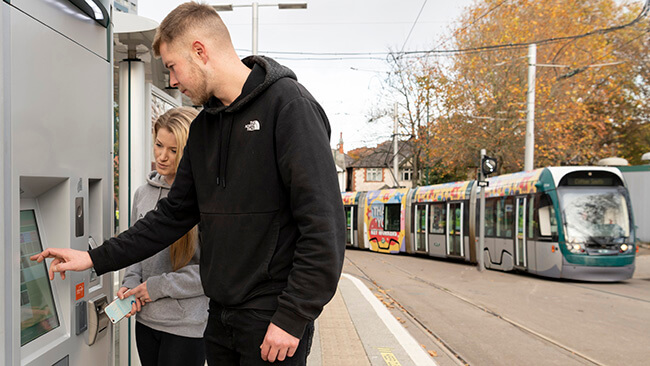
<point>258,177</point>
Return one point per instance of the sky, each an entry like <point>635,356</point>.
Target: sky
<point>347,88</point>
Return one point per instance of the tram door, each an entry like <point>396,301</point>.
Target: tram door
<point>421,232</point>
<point>520,232</point>
<point>455,229</point>
<point>350,225</point>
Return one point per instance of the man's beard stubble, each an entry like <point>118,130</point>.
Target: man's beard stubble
<point>200,94</point>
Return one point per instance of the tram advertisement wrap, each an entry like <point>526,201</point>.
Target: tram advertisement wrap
<point>385,220</point>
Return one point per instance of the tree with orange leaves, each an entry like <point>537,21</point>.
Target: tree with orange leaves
<point>591,95</point>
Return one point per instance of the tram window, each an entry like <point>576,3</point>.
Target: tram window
<point>392,217</point>
<point>438,218</point>
<point>505,217</point>
<point>38,314</point>
<point>547,218</point>
<point>351,216</point>
<point>489,217</point>
<point>532,221</point>
<point>499,217</point>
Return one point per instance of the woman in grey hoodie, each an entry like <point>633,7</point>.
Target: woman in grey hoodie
<point>169,329</point>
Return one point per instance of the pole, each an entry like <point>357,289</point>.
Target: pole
<point>481,225</point>
<point>255,27</point>
<point>529,156</point>
<point>395,165</point>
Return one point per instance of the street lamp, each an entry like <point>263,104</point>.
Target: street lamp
<point>255,6</point>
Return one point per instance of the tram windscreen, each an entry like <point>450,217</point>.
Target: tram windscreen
<point>595,214</point>
<point>38,314</point>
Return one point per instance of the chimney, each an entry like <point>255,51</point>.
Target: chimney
<point>340,145</point>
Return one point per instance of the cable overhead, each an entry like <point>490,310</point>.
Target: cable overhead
<point>641,15</point>
<point>414,23</point>
<point>337,56</point>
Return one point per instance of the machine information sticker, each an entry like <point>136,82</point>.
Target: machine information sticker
<point>79,291</point>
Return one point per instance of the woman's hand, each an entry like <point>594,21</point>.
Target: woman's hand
<point>141,297</point>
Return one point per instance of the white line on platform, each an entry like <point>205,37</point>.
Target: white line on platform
<point>419,356</point>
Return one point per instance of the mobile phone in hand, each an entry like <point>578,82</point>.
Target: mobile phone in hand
<point>119,308</point>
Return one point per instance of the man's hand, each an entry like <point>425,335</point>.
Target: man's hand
<point>64,260</point>
<point>278,344</point>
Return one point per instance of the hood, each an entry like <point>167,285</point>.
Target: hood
<point>264,72</point>
<point>156,180</point>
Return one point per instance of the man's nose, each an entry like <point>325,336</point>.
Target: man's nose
<point>172,80</point>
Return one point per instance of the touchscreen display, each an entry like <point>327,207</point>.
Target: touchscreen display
<point>38,314</point>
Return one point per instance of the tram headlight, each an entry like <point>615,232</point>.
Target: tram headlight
<point>575,248</point>
<point>624,248</point>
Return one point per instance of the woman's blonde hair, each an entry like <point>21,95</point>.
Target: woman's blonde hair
<point>177,121</point>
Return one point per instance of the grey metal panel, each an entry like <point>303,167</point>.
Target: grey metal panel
<point>58,112</point>
<point>60,119</point>
<point>490,245</point>
<point>638,184</point>
<point>6,318</point>
<point>63,17</point>
<point>437,247</point>
<point>548,262</point>
<point>531,255</point>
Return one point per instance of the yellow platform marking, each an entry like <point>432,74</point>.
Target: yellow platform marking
<point>389,357</point>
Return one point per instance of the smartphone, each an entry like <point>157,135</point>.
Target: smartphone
<point>119,308</point>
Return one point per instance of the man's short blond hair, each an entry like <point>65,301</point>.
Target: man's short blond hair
<point>188,18</point>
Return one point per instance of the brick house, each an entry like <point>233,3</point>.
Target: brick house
<point>373,167</point>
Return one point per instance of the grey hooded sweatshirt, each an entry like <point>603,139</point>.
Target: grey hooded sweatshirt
<point>178,305</point>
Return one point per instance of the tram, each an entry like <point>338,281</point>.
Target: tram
<point>561,222</point>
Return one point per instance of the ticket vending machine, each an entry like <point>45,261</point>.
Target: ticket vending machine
<point>56,183</point>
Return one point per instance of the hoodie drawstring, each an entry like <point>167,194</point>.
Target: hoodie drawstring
<point>224,151</point>
<point>224,142</point>
<point>219,176</point>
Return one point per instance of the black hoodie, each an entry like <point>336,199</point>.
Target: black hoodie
<point>259,178</point>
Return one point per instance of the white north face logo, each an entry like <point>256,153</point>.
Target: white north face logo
<point>253,125</point>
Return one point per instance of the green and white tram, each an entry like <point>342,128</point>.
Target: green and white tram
<point>562,222</point>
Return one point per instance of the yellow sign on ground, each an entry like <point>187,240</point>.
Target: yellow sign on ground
<point>389,357</point>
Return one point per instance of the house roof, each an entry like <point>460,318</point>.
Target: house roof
<point>382,155</point>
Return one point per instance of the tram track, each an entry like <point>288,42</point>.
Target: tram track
<point>586,287</point>
<point>455,356</point>
<point>445,346</point>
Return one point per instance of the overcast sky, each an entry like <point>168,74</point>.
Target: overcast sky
<point>346,89</point>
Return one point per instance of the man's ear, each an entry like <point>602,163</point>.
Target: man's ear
<point>199,51</point>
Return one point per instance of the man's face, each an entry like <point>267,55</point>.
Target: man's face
<point>185,74</point>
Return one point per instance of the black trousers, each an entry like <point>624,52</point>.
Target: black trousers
<point>233,338</point>
<point>158,348</point>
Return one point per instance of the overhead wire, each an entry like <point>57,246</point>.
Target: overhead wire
<point>338,56</point>
<point>413,26</point>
